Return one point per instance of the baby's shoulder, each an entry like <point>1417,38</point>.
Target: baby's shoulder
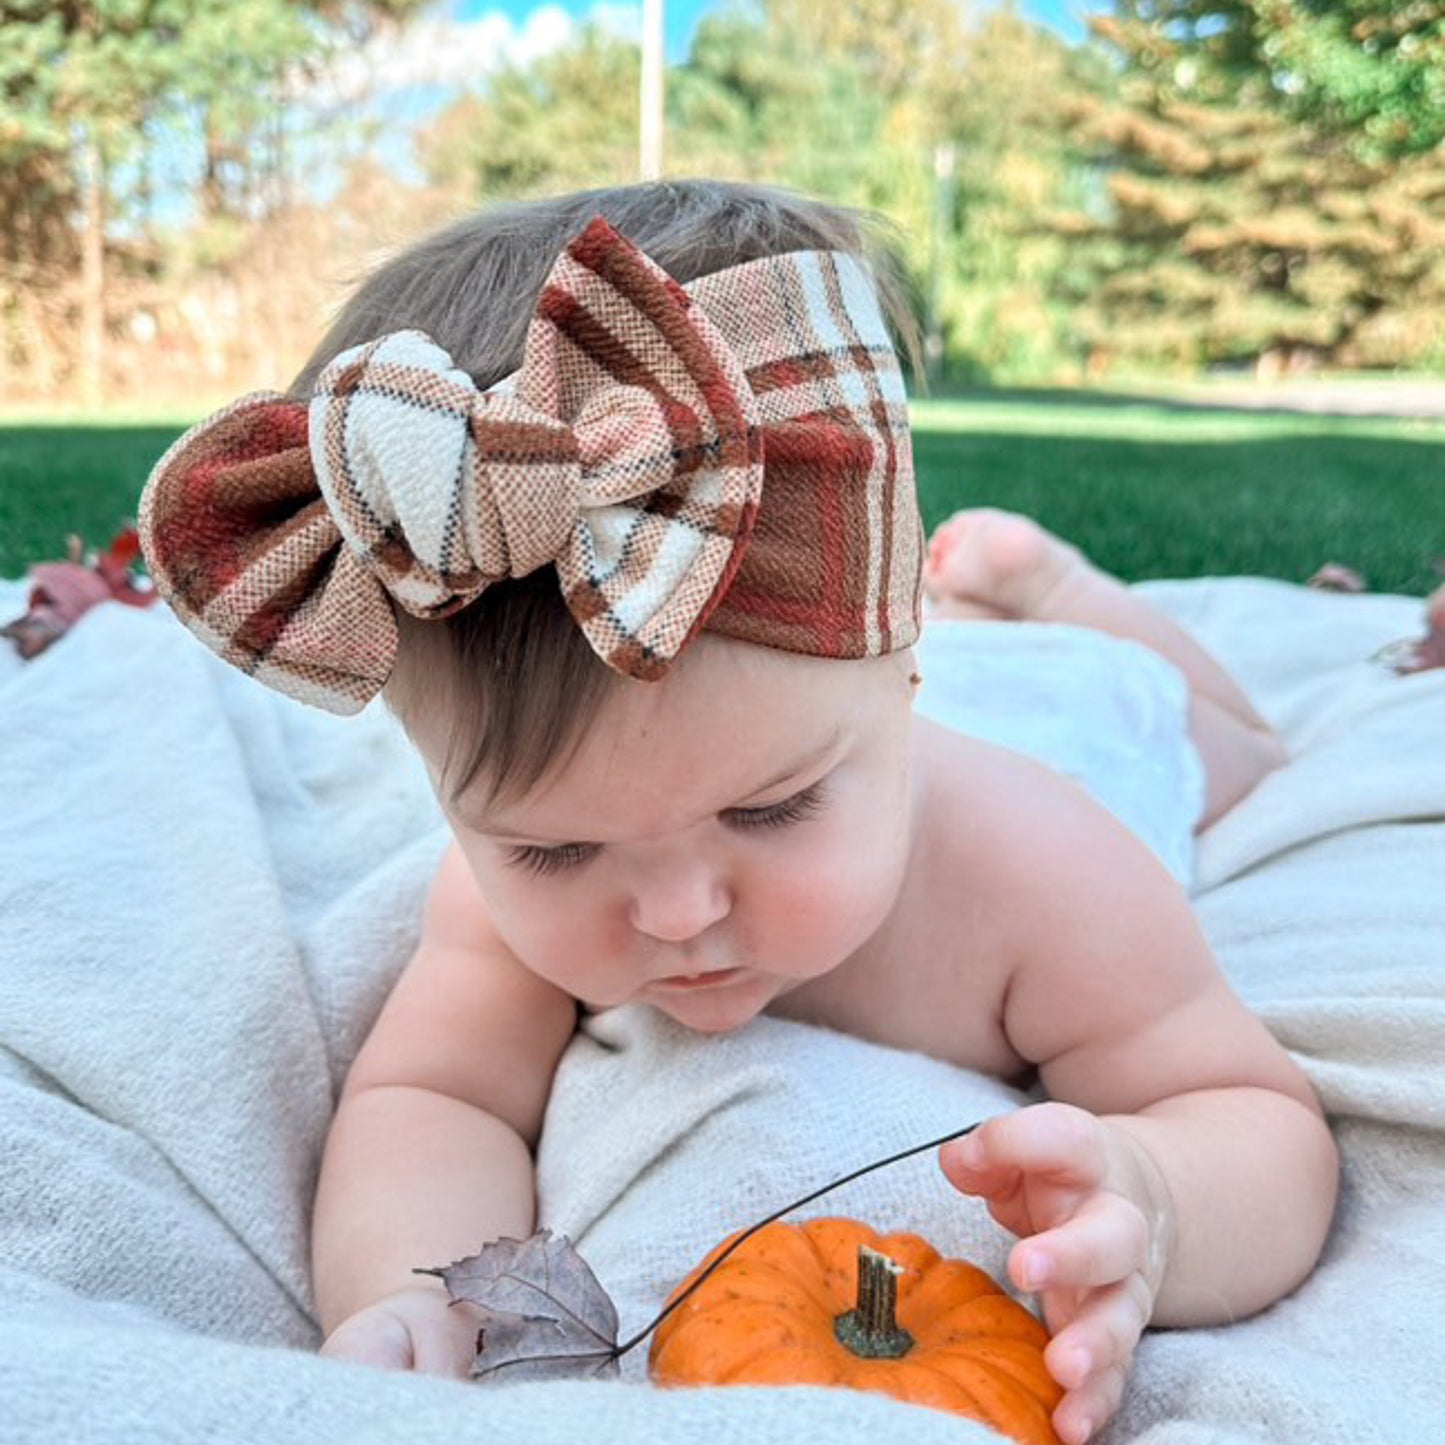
<point>1011,863</point>
<point>984,808</point>
<point>1005,847</point>
<point>456,914</point>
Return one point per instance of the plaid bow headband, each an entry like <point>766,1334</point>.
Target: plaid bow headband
<point>731,454</point>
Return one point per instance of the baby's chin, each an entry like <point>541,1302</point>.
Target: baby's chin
<point>719,1010</point>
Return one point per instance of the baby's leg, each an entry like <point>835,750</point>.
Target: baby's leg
<point>985,563</point>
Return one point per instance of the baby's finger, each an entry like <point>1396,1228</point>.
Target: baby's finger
<point>1103,1334</point>
<point>1105,1240</point>
<point>378,1340</point>
<point>1054,1140</point>
<point>448,1352</point>
<point>1085,1411</point>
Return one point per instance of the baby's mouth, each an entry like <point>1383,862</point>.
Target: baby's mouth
<point>685,982</point>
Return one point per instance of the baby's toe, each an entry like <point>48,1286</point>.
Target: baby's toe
<point>985,562</point>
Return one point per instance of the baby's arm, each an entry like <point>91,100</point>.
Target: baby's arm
<point>429,1154</point>
<point>1188,1176</point>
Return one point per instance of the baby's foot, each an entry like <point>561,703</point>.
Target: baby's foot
<point>986,563</point>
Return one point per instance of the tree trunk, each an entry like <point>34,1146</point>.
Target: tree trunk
<point>92,274</point>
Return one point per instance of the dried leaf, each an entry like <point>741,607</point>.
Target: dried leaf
<point>63,592</point>
<point>521,1348</point>
<point>1414,654</point>
<point>1420,654</point>
<point>544,1313</point>
<point>1336,577</point>
<point>1430,651</point>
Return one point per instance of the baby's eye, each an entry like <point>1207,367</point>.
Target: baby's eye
<point>779,815</point>
<point>546,861</point>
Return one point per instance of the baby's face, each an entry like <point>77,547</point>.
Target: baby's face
<point>718,838</point>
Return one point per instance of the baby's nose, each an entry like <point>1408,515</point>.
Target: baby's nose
<point>680,904</point>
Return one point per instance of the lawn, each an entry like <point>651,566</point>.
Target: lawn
<point>1150,489</point>
<point>1169,490</point>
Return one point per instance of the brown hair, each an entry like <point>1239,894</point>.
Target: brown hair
<point>512,672</point>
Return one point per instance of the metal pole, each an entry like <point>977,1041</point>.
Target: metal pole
<point>650,128</point>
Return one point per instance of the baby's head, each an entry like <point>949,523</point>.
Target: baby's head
<point>674,495</point>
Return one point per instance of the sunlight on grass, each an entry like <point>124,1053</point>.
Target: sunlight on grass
<point>1152,422</point>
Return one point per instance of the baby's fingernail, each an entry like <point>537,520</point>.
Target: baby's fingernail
<point>1083,1430</point>
<point>967,1153</point>
<point>1036,1271</point>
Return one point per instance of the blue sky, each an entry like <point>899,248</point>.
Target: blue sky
<point>683,15</point>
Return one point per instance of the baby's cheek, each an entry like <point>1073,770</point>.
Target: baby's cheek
<point>839,903</point>
<point>569,946</point>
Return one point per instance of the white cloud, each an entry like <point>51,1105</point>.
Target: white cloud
<point>619,18</point>
<point>435,50</point>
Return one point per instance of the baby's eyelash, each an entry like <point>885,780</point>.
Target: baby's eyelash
<point>546,861</point>
<point>780,815</point>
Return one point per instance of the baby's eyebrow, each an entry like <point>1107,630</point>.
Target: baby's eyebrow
<point>488,827</point>
<point>499,827</point>
<point>804,764</point>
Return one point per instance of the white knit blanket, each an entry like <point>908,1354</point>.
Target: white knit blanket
<point>205,892</point>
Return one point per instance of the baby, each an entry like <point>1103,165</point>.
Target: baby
<point>618,515</point>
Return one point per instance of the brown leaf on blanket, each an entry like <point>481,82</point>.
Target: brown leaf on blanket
<point>63,592</point>
<point>545,1315</point>
<point>1415,654</point>
<point>1420,654</point>
<point>1336,577</point>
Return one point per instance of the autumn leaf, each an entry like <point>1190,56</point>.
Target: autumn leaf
<point>1336,577</point>
<point>1415,654</point>
<point>545,1316</point>
<point>1420,654</point>
<point>63,592</point>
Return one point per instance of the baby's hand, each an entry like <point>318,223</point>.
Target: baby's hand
<point>1096,1225</point>
<point>414,1329</point>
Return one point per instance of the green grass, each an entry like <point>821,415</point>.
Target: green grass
<point>1154,490</point>
<point>1147,489</point>
<point>63,477</point>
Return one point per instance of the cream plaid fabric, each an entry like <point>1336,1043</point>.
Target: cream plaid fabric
<point>733,454</point>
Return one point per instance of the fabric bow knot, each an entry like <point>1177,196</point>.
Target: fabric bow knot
<point>626,450</point>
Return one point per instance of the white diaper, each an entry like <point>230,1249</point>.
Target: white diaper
<point>1109,713</point>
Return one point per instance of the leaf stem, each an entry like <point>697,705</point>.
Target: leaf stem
<point>619,1350</point>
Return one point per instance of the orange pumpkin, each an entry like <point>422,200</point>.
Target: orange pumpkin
<point>830,1302</point>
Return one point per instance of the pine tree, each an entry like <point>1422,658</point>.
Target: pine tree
<point>1370,69</point>
<point>1235,222</point>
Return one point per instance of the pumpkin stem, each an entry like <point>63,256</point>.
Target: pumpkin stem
<point>870,1330</point>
